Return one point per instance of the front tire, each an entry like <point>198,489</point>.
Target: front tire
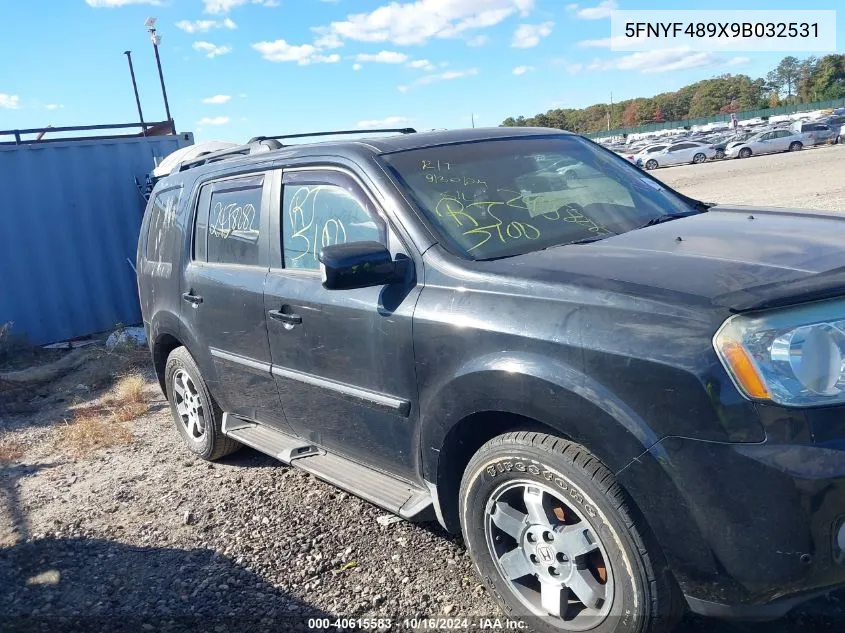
<point>720,154</point>
<point>555,540</point>
<point>795,146</point>
<point>744,152</point>
<point>651,164</point>
<point>195,413</point>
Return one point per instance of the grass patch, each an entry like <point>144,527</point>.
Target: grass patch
<point>11,449</point>
<point>89,431</point>
<point>103,426</point>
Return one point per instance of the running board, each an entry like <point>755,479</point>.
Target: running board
<point>394,495</point>
<point>283,447</point>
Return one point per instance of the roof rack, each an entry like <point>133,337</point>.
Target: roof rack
<point>400,130</point>
<point>253,147</point>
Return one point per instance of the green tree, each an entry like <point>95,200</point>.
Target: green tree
<point>785,75</point>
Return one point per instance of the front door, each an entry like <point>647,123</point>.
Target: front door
<point>223,295</point>
<point>342,359</point>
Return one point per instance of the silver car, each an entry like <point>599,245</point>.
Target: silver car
<point>766,143</point>
<point>678,154</point>
<point>814,133</point>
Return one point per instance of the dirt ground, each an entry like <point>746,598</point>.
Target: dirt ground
<point>138,535</point>
<point>811,179</point>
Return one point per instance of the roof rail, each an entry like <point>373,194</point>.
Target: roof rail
<point>253,147</point>
<point>400,130</point>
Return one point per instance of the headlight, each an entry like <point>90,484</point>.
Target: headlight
<point>794,356</point>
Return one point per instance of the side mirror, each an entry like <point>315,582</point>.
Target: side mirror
<point>358,265</point>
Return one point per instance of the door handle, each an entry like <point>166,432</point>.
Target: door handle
<point>288,319</point>
<point>193,299</point>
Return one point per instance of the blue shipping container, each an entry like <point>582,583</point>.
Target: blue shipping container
<point>70,213</point>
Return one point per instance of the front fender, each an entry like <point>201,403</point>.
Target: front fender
<point>537,387</point>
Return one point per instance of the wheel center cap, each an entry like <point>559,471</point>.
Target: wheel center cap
<point>545,554</point>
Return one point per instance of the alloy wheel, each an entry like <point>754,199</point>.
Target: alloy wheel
<point>189,405</point>
<point>549,555</point>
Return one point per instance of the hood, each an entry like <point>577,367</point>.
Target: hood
<point>734,257</point>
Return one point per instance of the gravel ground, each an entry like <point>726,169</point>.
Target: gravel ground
<point>811,179</point>
<point>145,537</point>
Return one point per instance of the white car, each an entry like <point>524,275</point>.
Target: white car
<point>766,143</point>
<point>641,156</point>
<point>679,154</point>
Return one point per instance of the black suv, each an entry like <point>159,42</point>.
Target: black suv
<point>628,401</point>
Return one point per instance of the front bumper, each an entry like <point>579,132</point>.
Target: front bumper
<point>748,529</point>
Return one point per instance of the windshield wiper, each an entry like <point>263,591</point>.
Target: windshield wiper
<point>667,218</point>
<point>591,239</point>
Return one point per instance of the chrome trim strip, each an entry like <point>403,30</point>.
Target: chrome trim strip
<point>369,398</point>
<point>240,360</point>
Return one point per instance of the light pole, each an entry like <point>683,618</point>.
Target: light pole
<point>155,38</point>
<point>135,88</point>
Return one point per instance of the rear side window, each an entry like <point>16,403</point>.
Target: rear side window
<point>161,234</point>
<point>234,220</point>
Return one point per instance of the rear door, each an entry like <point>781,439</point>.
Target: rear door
<point>223,294</point>
<point>680,153</point>
<point>343,359</point>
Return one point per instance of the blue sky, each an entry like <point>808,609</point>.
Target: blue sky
<point>240,68</point>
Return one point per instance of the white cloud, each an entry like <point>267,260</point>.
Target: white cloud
<point>438,77</point>
<point>529,35</point>
<point>383,57</point>
<point>357,66</point>
<point>213,120</point>
<point>211,50</point>
<point>217,99</point>
<point>738,61</point>
<point>204,26</point>
<point>281,51</point>
<point>54,106</point>
<point>9,102</point>
<point>658,61</point>
<point>328,40</point>
<point>609,42</point>
<point>422,64</point>
<point>521,70</point>
<point>391,121</point>
<point>599,12</point>
<point>218,7</point>
<point>109,4</point>
<point>417,22</point>
<point>478,40</point>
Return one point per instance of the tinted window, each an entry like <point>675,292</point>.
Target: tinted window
<point>316,214</point>
<point>234,220</point>
<point>161,236</point>
<point>492,199</point>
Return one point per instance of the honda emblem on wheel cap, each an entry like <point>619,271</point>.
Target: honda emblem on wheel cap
<point>544,552</point>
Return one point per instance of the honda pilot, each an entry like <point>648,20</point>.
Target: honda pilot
<point>629,402</point>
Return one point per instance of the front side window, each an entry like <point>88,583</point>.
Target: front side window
<point>234,220</point>
<point>161,235</point>
<point>492,198</point>
<point>322,211</point>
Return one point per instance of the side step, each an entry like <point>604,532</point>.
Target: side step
<point>267,440</point>
<point>394,495</point>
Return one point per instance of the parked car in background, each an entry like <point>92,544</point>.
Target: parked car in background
<point>836,123</point>
<point>813,132</point>
<point>678,154</point>
<point>722,143</point>
<point>642,155</point>
<point>626,154</point>
<point>766,143</point>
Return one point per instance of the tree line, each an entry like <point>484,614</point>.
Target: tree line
<point>793,81</point>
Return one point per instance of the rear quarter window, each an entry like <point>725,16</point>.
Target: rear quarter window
<point>162,229</point>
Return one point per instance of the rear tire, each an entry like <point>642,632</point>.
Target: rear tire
<point>545,522</point>
<point>720,154</point>
<point>745,152</point>
<point>795,146</point>
<point>699,158</point>
<point>197,416</point>
<point>651,164</point>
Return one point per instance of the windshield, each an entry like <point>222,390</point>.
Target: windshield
<point>505,197</point>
